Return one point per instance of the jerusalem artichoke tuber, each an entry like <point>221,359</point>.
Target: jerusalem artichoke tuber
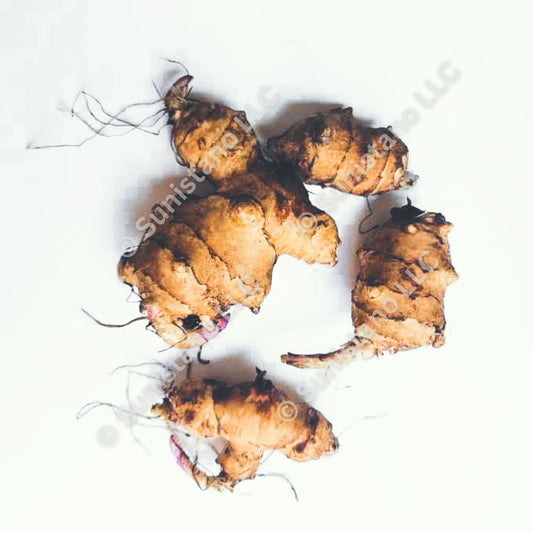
<point>397,302</point>
<point>252,418</point>
<point>218,250</point>
<point>335,149</point>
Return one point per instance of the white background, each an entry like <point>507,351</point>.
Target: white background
<point>449,445</point>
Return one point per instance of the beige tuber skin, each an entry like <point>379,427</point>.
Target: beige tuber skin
<point>218,250</point>
<point>334,149</point>
<point>398,299</point>
<point>252,418</point>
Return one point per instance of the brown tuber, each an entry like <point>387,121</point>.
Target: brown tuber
<point>334,149</point>
<point>397,302</point>
<point>218,250</point>
<point>252,418</point>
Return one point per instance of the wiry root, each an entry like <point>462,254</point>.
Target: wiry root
<point>112,121</point>
<point>100,323</point>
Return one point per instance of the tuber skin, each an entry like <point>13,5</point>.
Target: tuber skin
<point>397,301</point>
<point>199,130</point>
<point>334,149</point>
<point>251,418</point>
<point>216,251</point>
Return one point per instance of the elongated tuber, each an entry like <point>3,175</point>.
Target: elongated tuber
<point>211,252</point>
<point>252,418</point>
<point>397,302</point>
<point>334,149</point>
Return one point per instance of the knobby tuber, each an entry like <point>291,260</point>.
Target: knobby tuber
<point>251,417</point>
<point>397,302</point>
<point>218,250</point>
<point>335,149</point>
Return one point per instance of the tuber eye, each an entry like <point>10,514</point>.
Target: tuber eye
<point>191,322</point>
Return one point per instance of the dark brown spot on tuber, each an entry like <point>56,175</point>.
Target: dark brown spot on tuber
<point>301,447</point>
<point>191,322</point>
<point>313,419</point>
<point>189,415</point>
<point>221,392</point>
